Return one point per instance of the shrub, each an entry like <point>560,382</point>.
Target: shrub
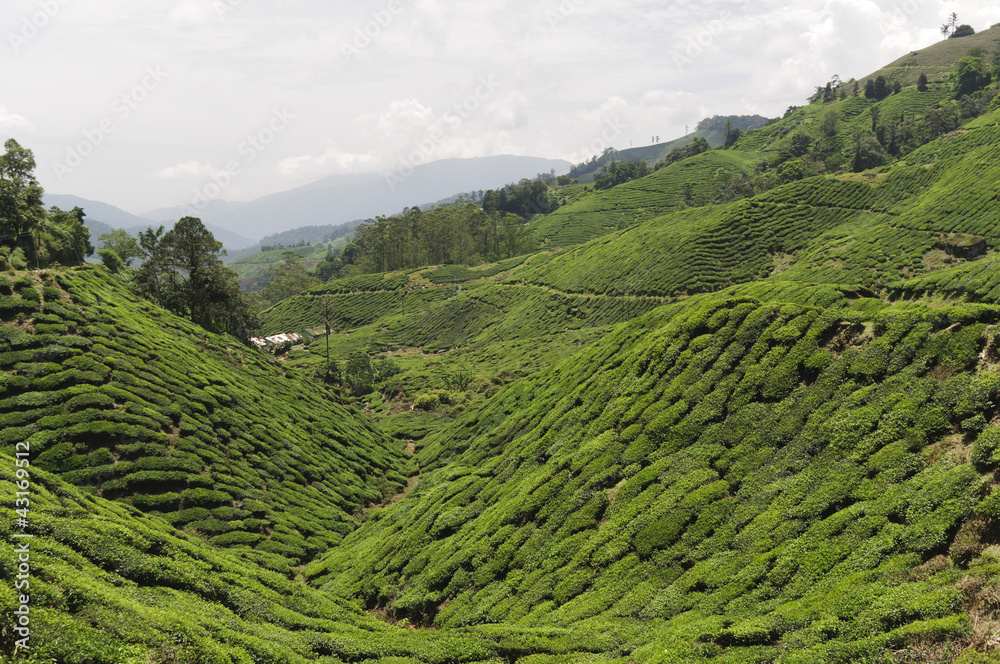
<point>111,260</point>
<point>428,401</point>
<point>963,30</point>
<point>984,451</point>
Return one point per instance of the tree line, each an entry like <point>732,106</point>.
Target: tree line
<point>465,234</point>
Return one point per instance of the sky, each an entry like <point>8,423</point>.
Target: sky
<point>156,103</point>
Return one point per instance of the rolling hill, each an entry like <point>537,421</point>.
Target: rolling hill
<point>685,430</point>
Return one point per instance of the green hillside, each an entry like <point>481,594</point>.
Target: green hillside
<point>653,153</point>
<point>710,129</point>
<point>111,584</point>
<point>602,212</point>
<point>253,270</point>
<point>724,473</point>
<point>696,422</point>
<point>936,61</point>
<point>131,403</point>
<point>700,180</point>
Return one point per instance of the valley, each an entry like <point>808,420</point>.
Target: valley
<point>743,408</point>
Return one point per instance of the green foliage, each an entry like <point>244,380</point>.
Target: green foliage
<point>288,279</point>
<point>361,374</point>
<point>770,483</point>
<point>620,172</point>
<point>141,406</point>
<point>184,274</point>
<point>21,208</point>
<point>44,237</point>
<point>111,260</point>
<point>757,431</point>
<point>447,235</point>
<point>689,182</point>
<point>124,245</point>
<point>963,30</point>
<point>971,75</point>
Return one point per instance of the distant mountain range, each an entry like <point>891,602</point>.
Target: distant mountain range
<point>102,218</point>
<point>343,198</point>
<point>334,200</point>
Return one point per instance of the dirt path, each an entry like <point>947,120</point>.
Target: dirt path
<point>411,449</point>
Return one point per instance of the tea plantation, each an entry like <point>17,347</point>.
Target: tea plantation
<point>131,403</point>
<point>680,431</point>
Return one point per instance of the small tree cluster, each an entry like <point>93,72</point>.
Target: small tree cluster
<point>361,374</point>
<point>620,172</point>
<point>879,88</point>
<point>695,147</point>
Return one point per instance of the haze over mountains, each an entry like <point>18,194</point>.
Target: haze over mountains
<point>334,200</point>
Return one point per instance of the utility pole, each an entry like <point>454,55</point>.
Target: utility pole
<point>326,321</point>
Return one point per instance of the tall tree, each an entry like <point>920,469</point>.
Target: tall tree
<point>950,25</point>
<point>123,244</point>
<point>828,124</point>
<point>288,278</point>
<point>185,275</point>
<point>62,237</point>
<point>970,75</point>
<point>881,87</point>
<point>21,209</point>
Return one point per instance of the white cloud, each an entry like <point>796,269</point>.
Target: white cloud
<point>564,76</point>
<point>10,122</point>
<point>330,162</point>
<point>189,170</point>
<point>508,112</point>
<point>402,117</point>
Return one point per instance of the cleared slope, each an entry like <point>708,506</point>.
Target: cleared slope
<point>936,60</point>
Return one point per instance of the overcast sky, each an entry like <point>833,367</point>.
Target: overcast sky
<point>143,104</point>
